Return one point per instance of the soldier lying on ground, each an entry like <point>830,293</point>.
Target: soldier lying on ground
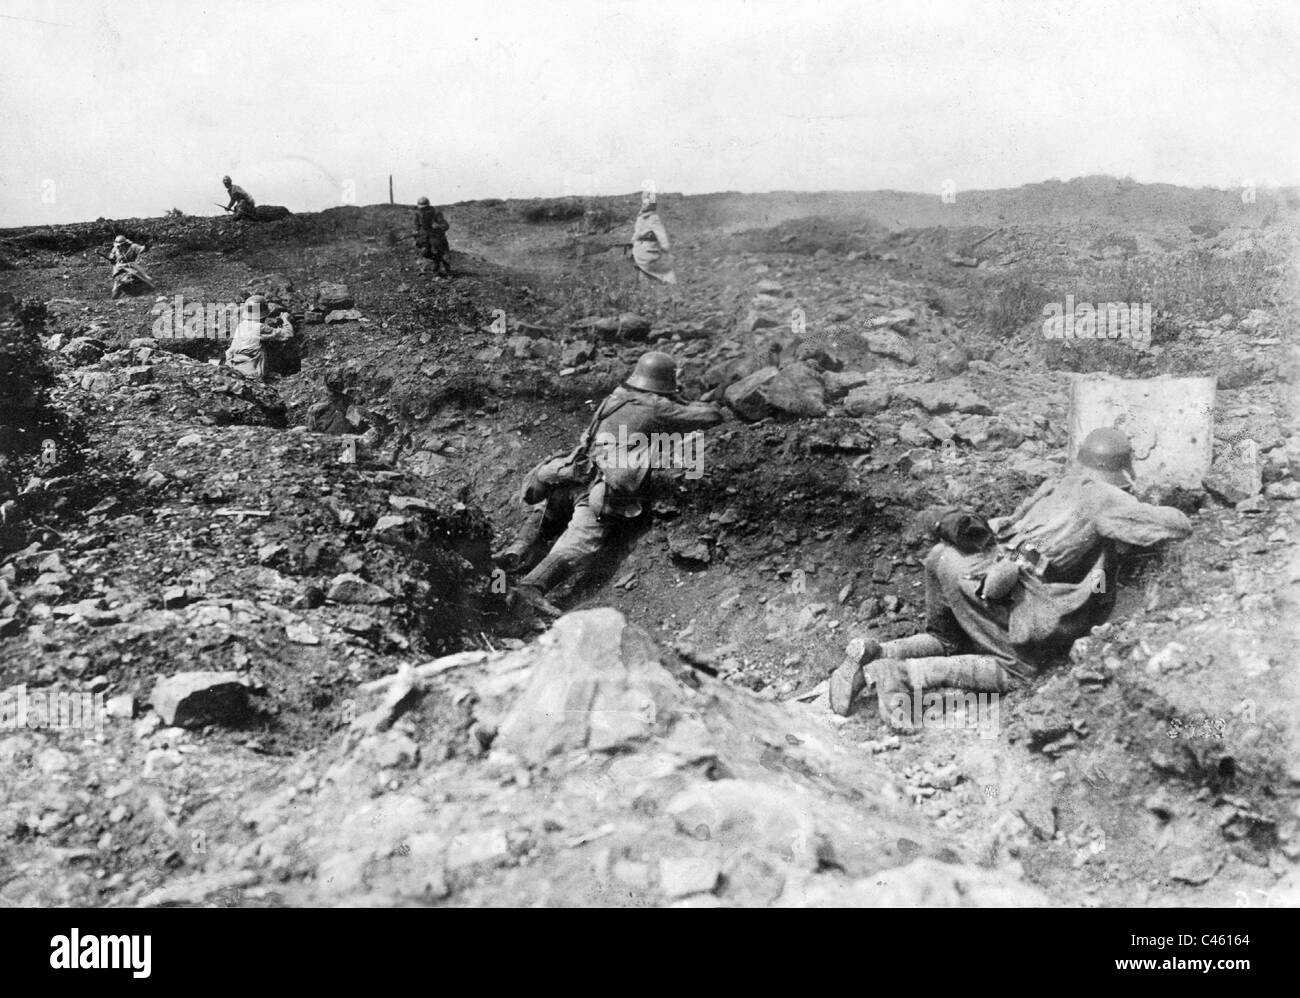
<point>129,278</point>
<point>598,489</point>
<point>1003,608</point>
<point>247,353</point>
<point>240,201</point>
<point>431,236</point>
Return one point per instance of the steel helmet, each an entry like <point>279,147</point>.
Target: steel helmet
<point>226,179</point>
<point>118,240</point>
<point>1108,452</point>
<point>255,304</point>
<point>655,372</point>
<point>423,202</point>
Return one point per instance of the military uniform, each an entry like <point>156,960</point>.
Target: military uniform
<point>241,203</point>
<point>431,236</point>
<point>247,352</point>
<point>650,246</point>
<point>1006,599</point>
<point>601,485</point>
<point>1063,544</point>
<point>128,276</point>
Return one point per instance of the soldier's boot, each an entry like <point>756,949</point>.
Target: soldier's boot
<point>532,597</point>
<point>532,589</point>
<point>848,679</point>
<point>894,693</point>
<point>517,553</point>
<point>512,555</point>
<point>900,681</point>
<point>549,573</point>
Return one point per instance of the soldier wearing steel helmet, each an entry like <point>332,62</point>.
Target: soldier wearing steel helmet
<point>256,333</point>
<point>129,277</point>
<point>1007,599</point>
<point>431,236</point>
<point>590,492</point>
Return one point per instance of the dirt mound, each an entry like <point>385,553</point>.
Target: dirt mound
<point>807,236</point>
<point>635,781</point>
<point>297,546</point>
<point>563,210</point>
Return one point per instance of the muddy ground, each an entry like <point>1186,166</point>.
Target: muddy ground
<point>187,521</point>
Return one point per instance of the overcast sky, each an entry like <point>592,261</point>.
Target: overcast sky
<point>131,108</point>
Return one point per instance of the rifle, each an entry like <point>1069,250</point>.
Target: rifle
<point>222,206</point>
<point>981,241</point>
<point>100,253</point>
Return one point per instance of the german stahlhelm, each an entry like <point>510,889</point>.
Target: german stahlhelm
<point>1108,453</point>
<point>655,372</point>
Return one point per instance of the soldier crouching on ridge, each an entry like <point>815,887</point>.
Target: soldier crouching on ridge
<point>241,203</point>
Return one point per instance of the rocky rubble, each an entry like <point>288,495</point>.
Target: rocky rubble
<point>289,553</point>
<point>210,539</point>
<point>192,699</point>
<point>632,781</point>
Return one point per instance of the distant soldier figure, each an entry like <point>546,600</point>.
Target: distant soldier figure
<point>650,243</point>
<point>247,353</point>
<point>431,236</point>
<point>240,201</point>
<point>129,277</point>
